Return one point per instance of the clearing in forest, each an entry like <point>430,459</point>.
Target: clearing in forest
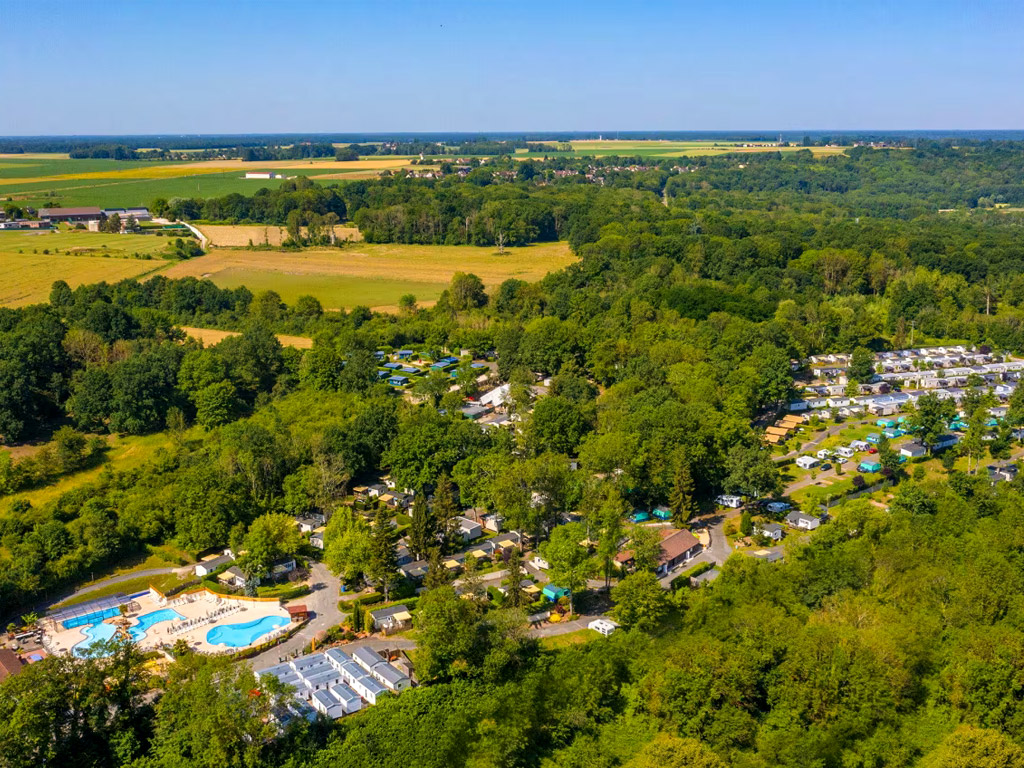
<point>371,274</point>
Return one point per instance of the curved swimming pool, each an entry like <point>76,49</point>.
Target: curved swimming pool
<point>101,632</point>
<point>94,633</point>
<point>149,619</point>
<point>241,635</point>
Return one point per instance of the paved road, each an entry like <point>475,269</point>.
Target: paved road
<point>323,603</point>
<point>561,627</point>
<point>820,438</point>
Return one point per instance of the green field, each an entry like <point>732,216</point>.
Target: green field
<point>75,257</point>
<point>333,291</point>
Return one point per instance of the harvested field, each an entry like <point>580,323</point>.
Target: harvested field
<point>303,165</point>
<point>211,336</point>
<point>241,235</point>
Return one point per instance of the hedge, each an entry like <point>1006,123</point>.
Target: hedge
<point>684,577</point>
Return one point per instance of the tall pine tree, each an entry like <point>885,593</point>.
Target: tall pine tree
<point>423,531</point>
<point>445,512</point>
<point>680,500</point>
<point>515,597</point>
<point>383,558</point>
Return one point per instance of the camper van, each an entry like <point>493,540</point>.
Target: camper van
<point>845,451</point>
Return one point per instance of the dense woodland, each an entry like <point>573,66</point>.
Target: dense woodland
<point>891,638</point>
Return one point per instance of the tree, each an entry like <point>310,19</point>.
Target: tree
<point>437,574</point>
<point>515,597</point>
<point>214,713</point>
<point>466,291</point>
<point>970,747</point>
<point>931,417</point>
<point>449,642</point>
<point>66,710</point>
<point>383,558</point>
<point>269,538</point>
<point>423,533</point>
<point>112,223</point>
<point>432,387</point>
<point>571,563</point>
<point>407,304</point>
<point>348,545</point>
<point>668,751</point>
<point>471,581</point>
<point>445,511</point>
<point>645,545</point>
<point>640,601</point>
<point>680,500</point>
<point>750,470</point>
<point>746,523</point>
<point>862,365</point>
<point>216,404</point>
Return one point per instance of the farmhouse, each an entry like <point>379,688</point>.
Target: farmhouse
<point>84,214</point>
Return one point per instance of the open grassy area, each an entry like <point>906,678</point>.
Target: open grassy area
<point>125,453</point>
<point>569,638</point>
<point>374,275</point>
<point>211,336</point>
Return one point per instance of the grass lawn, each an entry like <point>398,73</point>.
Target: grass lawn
<point>163,582</point>
<point>374,275</point>
<point>568,639</point>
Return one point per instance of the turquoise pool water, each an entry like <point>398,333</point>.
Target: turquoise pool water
<point>241,635</point>
<point>95,633</point>
<point>149,619</point>
<point>99,632</point>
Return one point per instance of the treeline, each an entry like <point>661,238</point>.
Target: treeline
<point>267,206</point>
<point>298,151</point>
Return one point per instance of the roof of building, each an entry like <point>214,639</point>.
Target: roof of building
<point>390,674</point>
<point>675,542</point>
<point>367,656</point>
<point>83,211</point>
<point>294,610</point>
<point>10,663</point>
<point>215,562</point>
<point>384,613</point>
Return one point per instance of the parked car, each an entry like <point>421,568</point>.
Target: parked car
<point>825,466</point>
<point>872,449</point>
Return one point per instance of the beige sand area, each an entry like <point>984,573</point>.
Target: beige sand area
<point>200,611</point>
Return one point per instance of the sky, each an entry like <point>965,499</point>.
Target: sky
<point>182,66</point>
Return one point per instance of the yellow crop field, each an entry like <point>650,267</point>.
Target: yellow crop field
<point>220,166</point>
<point>374,275</point>
<point>211,336</point>
<point>28,276</point>
<point>241,235</point>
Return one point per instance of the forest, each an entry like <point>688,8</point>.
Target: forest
<point>891,637</point>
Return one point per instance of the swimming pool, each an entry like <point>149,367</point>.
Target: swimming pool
<point>94,633</point>
<point>149,619</point>
<point>101,632</point>
<point>241,635</point>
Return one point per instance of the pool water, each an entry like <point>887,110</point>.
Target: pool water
<point>148,620</point>
<point>94,633</point>
<point>241,635</point>
<point>101,633</point>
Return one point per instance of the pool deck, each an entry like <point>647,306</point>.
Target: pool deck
<point>202,611</point>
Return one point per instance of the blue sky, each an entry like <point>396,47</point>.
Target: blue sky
<point>182,66</point>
